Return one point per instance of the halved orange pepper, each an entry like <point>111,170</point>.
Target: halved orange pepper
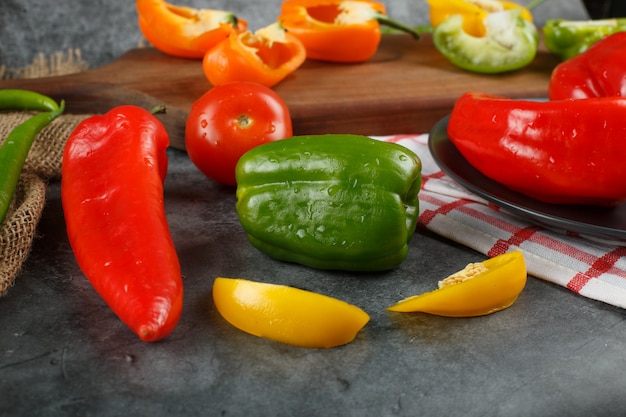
<point>479,289</point>
<point>264,57</point>
<point>473,12</point>
<point>183,31</point>
<point>338,30</point>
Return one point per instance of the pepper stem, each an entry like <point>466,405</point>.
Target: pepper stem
<point>533,4</point>
<point>392,23</point>
<point>159,108</point>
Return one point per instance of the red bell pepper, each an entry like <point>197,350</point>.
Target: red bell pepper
<point>563,152</point>
<point>112,192</point>
<point>600,71</point>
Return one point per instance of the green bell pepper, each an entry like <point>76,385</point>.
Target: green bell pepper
<point>568,38</point>
<point>343,202</point>
<point>510,43</point>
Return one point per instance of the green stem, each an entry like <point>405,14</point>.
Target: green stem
<point>533,4</point>
<point>392,23</point>
<point>159,108</point>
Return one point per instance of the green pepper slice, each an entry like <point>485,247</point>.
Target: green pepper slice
<point>568,38</point>
<point>510,43</point>
<point>344,202</point>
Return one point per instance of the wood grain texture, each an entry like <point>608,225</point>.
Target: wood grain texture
<point>405,88</point>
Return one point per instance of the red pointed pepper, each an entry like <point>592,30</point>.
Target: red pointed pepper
<point>600,71</point>
<point>112,192</point>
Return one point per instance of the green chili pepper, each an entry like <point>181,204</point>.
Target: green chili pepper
<point>510,43</point>
<point>14,151</point>
<point>568,38</point>
<point>16,99</point>
<point>343,202</point>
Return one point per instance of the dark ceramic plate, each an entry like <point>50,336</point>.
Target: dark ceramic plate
<point>592,221</point>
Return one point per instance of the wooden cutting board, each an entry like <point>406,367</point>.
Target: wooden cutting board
<point>405,88</point>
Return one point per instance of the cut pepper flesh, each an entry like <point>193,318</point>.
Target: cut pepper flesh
<point>489,286</point>
<point>264,57</point>
<point>509,43</point>
<point>183,31</point>
<point>286,314</point>
<point>473,12</point>
<point>338,30</point>
<point>569,38</point>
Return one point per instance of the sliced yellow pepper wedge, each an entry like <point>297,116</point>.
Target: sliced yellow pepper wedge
<point>479,289</point>
<point>474,12</point>
<point>286,314</point>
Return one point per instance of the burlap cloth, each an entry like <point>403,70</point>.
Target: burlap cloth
<point>19,228</point>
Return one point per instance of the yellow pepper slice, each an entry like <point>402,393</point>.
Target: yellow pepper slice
<point>479,289</point>
<point>286,314</point>
<point>473,12</point>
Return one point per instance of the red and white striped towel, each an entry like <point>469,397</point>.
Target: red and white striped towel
<point>592,268</point>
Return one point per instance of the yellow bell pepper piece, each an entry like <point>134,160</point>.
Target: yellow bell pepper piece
<point>286,314</point>
<point>473,12</point>
<point>479,289</point>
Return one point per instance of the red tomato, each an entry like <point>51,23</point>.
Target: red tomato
<point>229,120</point>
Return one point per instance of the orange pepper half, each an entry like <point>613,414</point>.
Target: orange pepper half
<point>337,30</point>
<point>473,12</point>
<point>183,31</point>
<point>264,57</point>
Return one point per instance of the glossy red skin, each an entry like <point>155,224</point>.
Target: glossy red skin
<point>562,152</point>
<point>112,193</point>
<point>600,71</point>
<point>214,138</point>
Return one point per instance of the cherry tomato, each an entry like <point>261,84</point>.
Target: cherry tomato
<point>229,120</point>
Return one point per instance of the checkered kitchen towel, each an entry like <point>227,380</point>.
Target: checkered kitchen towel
<point>592,268</point>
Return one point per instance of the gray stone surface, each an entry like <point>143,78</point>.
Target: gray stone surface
<point>64,353</point>
<point>102,30</point>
